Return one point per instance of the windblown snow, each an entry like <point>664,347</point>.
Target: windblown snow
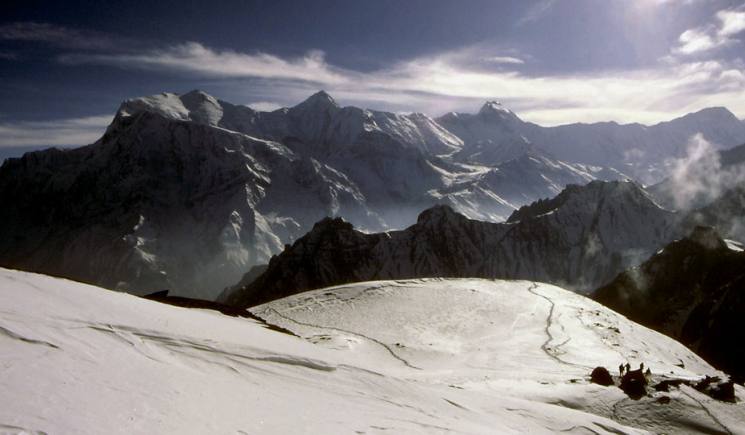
<point>418,356</point>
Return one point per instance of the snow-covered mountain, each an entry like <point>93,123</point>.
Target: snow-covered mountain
<point>457,356</point>
<point>318,122</point>
<point>492,136</point>
<point>495,133</point>
<point>581,239</point>
<point>187,192</point>
<point>692,290</point>
<point>158,203</point>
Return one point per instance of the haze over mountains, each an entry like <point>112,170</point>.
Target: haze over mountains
<point>580,239</point>
<point>188,192</point>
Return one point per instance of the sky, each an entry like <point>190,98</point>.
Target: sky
<point>66,66</point>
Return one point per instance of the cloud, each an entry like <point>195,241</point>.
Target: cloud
<point>505,59</point>
<point>732,22</point>
<point>536,12</point>
<point>56,35</point>
<point>264,106</point>
<point>696,40</point>
<point>458,80</point>
<point>699,177</point>
<point>73,131</point>
<point>195,58</point>
<point>727,24</point>
<point>645,95</point>
<point>8,55</point>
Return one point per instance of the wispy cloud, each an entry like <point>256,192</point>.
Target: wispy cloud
<point>194,57</point>
<point>505,59</point>
<point>72,131</point>
<point>699,177</point>
<point>264,106</point>
<point>59,36</point>
<point>454,80</point>
<point>448,81</point>
<point>536,12</point>
<point>645,95</point>
<point>727,24</point>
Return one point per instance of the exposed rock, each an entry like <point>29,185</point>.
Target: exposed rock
<point>601,376</point>
<point>634,384</point>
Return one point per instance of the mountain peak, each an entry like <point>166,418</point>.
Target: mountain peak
<point>331,224</point>
<point>707,237</point>
<point>438,213</point>
<point>594,192</point>
<point>494,110</point>
<point>319,100</point>
<point>494,106</point>
<point>197,93</point>
<point>710,114</point>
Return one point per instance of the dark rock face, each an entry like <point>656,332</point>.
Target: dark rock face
<point>331,252</point>
<point>717,388</point>
<point>694,291</point>
<point>594,232</point>
<point>713,387</point>
<point>601,376</point>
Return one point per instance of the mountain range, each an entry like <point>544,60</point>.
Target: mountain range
<point>580,239</point>
<point>361,256</point>
<point>187,192</point>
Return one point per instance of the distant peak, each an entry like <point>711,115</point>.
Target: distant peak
<point>319,100</point>
<point>197,94</point>
<point>707,237</point>
<point>711,113</point>
<point>197,98</point>
<point>493,106</point>
<point>494,110</point>
<point>331,224</point>
<point>716,109</point>
<point>437,213</point>
<point>594,192</point>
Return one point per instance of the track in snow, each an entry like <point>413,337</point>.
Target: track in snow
<point>330,328</point>
<point>547,349</point>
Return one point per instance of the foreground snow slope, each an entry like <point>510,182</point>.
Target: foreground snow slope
<point>426,356</point>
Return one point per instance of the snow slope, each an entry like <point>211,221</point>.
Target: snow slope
<point>462,356</point>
